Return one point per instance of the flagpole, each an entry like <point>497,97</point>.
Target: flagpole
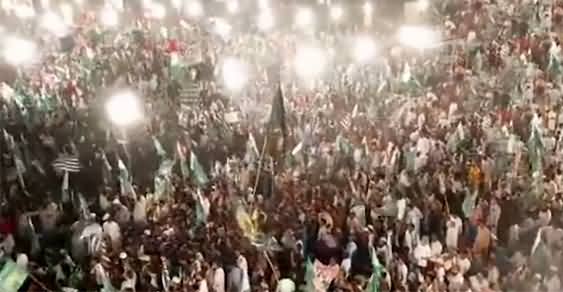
<point>260,162</point>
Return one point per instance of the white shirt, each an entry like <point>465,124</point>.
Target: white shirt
<point>219,280</point>
<point>286,285</point>
<point>454,227</point>
<point>111,229</point>
<point>422,253</point>
<point>243,265</point>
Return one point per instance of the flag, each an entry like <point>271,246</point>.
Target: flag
<point>159,149</point>
<point>69,163</point>
<point>319,276</point>
<point>247,225</point>
<point>536,149</point>
<point>377,270</point>
<point>12,276</point>
<point>342,145</point>
<point>197,170</point>
<point>277,117</point>
<point>190,93</point>
<point>184,168</point>
<point>346,122</point>
<point>126,187</point>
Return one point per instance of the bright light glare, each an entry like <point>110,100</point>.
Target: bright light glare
<point>18,51</point>
<point>24,11</point>
<point>54,24</point>
<point>265,21</point>
<point>418,37</point>
<point>177,4</point>
<point>368,8</point>
<point>156,10</point>
<point>235,74</point>
<point>263,4</point>
<point>232,6</point>
<point>364,49</point>
<point>336,13</point>
<point>304,17</point>
<point>309,61</point>
<point>422,5</point>
<point>194,8</point>
<point>222,28</point>
<point>124,108</point>
<point>68,15</point>
<point>109,17</point>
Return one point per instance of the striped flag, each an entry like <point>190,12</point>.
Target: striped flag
<point>69,163</point>
<point>346,122</point>
<point>190,93</point>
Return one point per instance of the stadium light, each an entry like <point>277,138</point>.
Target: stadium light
<point>194,9</point>
<point>304,17</point>
<point>309,61</point>
<point>235,74</point>
<point>54,24</point>
<point>222,28</point>
<point>418,37</point>
<point>265,20</point>
<point>422,5</point>
<point>336,13</point>
<point>232,6</point>
<point>17,51</point>
<point>368,8</point>
<point>124,108</point>
<point>68,14</point>
<point>156,10</point>
<point>24,11</point>
<point>109,17</point>
<point>364,49</point>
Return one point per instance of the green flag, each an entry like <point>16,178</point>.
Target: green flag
<point>197,170</point>
<point>12,276</point>
<point>374,280</point>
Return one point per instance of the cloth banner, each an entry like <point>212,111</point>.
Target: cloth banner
<point>12,277</point>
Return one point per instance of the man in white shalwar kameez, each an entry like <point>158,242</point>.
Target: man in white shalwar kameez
<point>243,265</point>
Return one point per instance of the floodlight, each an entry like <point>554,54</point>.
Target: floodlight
<point>232,6</point>
<point>24,11</point>
<point>222,28</point>
<point>194,8</point>
<point>17,51</point>
<point>54,24</point>
<point>336,13</point>
<point>265,20</point>
<point>235,74</point>
<point>68,14</point>
<point>109,17</point>
<point>418,37</point>
<point>124,108</point>
<point>304,17</point>
<point>422,5</point>
<point>364,49</point>
<point>177,4</point>
<point>368,8</point>
<point>309,61</point>
<point>156,10</point>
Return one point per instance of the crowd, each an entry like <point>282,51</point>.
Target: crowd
<point>428,170</point>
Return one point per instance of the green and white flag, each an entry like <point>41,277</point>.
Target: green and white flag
<point>125,183</point>
<point>12,277</point>
<point>197,170</point>
<point>375,279</point>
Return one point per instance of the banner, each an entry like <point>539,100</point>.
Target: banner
<point>12,277</point>
<point>324,275</point>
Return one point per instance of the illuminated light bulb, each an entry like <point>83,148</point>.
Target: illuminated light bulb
<point>232,6</point>
<point>336,13</point>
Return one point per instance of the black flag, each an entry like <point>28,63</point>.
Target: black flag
<point>277,117</point>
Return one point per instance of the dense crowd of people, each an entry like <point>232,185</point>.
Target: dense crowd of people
<point>426,170</point>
